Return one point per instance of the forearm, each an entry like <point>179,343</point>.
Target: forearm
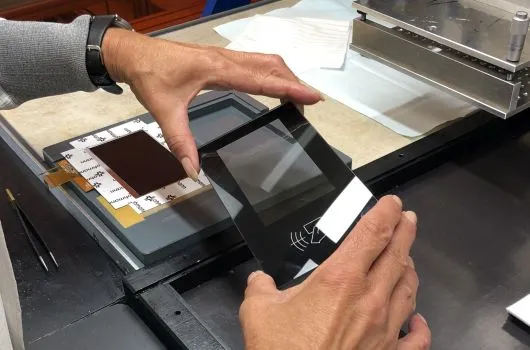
<point>42,59</point>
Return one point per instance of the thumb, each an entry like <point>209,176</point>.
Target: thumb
<point>176,130</point>
<point>419,337</point>
<point>259,283</point>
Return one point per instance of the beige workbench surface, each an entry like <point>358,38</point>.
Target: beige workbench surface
<point>50,120</point>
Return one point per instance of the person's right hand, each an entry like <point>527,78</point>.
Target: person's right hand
<point>357,299</point>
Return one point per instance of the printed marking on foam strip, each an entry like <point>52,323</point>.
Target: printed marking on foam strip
<point>344,210</point>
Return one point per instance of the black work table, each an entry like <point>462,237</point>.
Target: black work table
<point>87,280</point>
<point>473,246</point>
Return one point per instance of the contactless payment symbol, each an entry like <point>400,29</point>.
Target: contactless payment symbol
<point>310,235</point>
<point>298,240</point>
<point>311,229</point>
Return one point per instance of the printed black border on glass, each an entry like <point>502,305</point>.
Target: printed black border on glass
<point>284,246</point>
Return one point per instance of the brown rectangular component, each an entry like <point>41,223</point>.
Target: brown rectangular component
<point>139,163</point>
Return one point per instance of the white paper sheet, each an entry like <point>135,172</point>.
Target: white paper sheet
<point>304,43</point>
<point>397,101</point>
<point>109,187</point>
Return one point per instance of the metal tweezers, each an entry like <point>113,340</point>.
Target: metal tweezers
<point>31,232</point>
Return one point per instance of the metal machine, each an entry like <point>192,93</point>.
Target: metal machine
<point>476,49</point>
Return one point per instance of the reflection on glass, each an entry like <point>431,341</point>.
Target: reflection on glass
<point>274,172</point>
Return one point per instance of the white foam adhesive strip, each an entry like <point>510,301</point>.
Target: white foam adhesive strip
<point>166,194</point>
<point>127,128</point>
<point>97,176</point>
<point>153,129</point>
<point>92,140</point>
<point>77,158</point>
<point>344,210</point>
<point>108,187</point>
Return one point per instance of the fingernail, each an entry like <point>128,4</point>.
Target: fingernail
<point>397,200</point>
<point>189,169</point>
<point>253,275</point>
<point>411,262</point>
<point>322,98</point>
<point>411,216</point>
<point>422,318</point>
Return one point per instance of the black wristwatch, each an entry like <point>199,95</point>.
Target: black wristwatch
<point>94,63</point>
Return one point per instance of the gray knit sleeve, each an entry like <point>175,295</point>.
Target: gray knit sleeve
<point>40,59</point>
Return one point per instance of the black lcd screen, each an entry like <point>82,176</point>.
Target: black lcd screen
<point>139,163</point>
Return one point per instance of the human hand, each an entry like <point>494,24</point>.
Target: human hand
<point>359,298</point>
<point>165,76</point>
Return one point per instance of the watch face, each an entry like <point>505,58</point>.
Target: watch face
<point>121,23</point>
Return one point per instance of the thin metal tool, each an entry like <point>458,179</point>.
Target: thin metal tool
<point>31,232</point>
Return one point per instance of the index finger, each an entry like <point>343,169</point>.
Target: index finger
<point>370,236</point>
<point>389,267</point>
<point>260,74</point>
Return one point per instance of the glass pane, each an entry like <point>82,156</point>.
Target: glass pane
<point>274,172</point>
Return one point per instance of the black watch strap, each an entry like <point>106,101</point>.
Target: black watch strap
<point>94,63</point>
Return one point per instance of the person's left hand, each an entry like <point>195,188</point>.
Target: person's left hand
<point>165,76</point>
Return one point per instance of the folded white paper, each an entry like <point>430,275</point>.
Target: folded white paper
<point>323,9</point>
<point>304,43</point>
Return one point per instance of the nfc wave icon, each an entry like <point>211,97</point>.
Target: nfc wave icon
<point>298,241</point>
<point>310,235</point>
